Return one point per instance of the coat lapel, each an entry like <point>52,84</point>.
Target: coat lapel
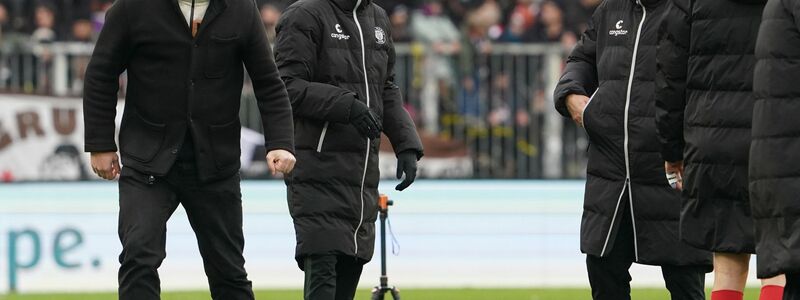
<point>215,8</point>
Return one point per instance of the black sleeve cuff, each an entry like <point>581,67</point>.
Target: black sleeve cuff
<point>560,98</point>
<point>100,147</point>
<point>672,153</point>
<point>280,146</point>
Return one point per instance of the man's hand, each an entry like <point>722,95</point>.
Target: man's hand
<point>362,118</point>
<point>576,104</point>
<point>675,168</point>
<point>106,164</point>
<point>280,161</point>
<point>406,163</point>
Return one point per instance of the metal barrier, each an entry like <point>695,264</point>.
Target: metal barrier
<point>496,103</point>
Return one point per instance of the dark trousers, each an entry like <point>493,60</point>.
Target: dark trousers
<point>215,214</point>
<point>331,277</point>
<point>792,289</point>
<point>610,279</point>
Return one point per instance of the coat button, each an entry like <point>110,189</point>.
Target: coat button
<point>174,151</point>
<point>196,46</point>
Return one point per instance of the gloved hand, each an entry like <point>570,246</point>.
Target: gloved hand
<point>362,118</point>
<point>406,163</point>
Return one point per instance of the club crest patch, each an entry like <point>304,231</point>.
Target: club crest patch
<point>380,36</point>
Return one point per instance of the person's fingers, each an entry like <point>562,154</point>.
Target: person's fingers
<point>411,175</point>
<point>271,165</point>
<point>290,165</point>
<point>101,171</point>
<point>403,185</point>
<point>399,168</point>
<point>115,167</point>
<point>282,165</point>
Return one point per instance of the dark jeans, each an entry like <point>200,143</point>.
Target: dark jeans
<point>792,289</point>
<point>215,214</point>
<point>610,279</point>
<point>331,277</point>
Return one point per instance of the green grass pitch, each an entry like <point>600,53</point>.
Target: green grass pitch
<point>409,294</point>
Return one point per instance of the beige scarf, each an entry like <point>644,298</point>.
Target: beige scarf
<point>200,8</point>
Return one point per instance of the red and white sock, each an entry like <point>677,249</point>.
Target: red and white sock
<point>727,295</point>
<point>771,292</point>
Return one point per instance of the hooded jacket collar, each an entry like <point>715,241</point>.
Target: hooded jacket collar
<point>349,5</point>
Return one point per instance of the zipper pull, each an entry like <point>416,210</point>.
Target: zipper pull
<point>151,179</point>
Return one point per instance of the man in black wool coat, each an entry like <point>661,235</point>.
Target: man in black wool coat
<point>180,132</point>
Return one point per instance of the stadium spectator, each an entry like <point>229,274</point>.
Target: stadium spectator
<point>400,19</point>
<point>98,15</point>
<point>45,25</point>
<point>522,19</point>
<point>21,15</point>
<point>442,39</point>
<point>551,23</point>
<point>4,19</point>
<point>68,13</point>
<point>269,16</point>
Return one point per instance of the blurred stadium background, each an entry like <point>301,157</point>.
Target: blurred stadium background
<point>498,210</point>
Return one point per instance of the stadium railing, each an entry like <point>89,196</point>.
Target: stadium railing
<point>494,104</point>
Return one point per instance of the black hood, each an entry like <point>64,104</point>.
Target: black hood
<point>348,5</point>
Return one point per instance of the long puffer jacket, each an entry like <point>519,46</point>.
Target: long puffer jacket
<point>775,147</point>
<point>333,190</point>
<point>704,103</point>
<point>615,62</point>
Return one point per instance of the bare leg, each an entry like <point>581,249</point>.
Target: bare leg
<point>779,280</point>
<point>730,271</point>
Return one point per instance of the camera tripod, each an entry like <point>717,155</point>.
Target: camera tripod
<point>379,292</point>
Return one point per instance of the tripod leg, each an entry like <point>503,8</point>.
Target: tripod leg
<point>395,293</point>
<point>378,293</point>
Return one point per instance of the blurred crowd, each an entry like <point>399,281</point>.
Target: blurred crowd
<point>460,83</point>
<point>440,21</point>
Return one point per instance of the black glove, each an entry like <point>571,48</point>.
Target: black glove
<point>362,118</point>
<point>406,163</point>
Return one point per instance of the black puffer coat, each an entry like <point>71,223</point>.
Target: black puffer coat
<point>775,148</point>
<point>704,103</point>
<point>619,119</point>
<point>333,190</point>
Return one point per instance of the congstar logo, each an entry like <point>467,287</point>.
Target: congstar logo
<point>339,35</point>
<point>617,31</point>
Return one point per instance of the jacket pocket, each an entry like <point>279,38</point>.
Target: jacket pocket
<point>221,51</point>
<point>322,137</point>
<point>140,139</point>
<point>583,113</point>
<point>225,143</point>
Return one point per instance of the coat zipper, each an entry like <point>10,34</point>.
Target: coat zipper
<point>322,137</point>
<point>366,159</point>
<point>626,142</point>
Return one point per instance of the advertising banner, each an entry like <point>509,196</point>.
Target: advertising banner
<point>41,139</point>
